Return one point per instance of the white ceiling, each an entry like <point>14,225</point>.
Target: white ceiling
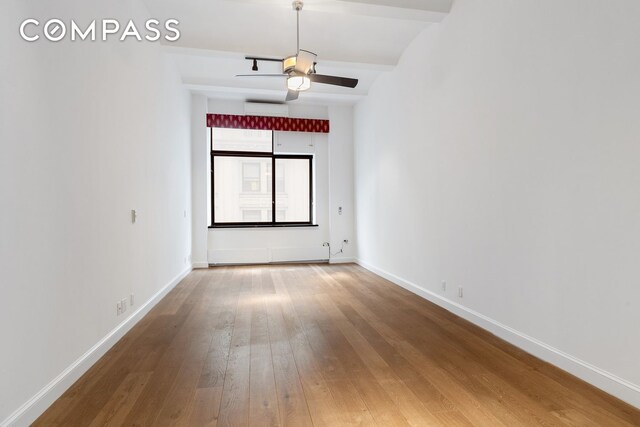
<point>353,38</point>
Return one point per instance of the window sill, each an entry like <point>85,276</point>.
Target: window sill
<point>223,226</point>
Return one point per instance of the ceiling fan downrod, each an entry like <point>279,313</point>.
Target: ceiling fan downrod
<point>297,6</point>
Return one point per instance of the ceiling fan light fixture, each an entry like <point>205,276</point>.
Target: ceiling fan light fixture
<point>289,63</point>
<point>298,83</point>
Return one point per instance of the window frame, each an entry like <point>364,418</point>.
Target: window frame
<point>262,154</point>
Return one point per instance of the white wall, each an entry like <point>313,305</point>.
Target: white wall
<point>502,156</point>
<point>332,166</point>
<point>88,131</point>
<point>200,166</point>
<point>341,184</point>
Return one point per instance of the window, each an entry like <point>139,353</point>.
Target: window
<point>242,182</point>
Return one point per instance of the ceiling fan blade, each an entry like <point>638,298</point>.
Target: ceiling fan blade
<point>304,61</point>
<point>292,95</point>
<point>334,80</point>
<point>261,75</point>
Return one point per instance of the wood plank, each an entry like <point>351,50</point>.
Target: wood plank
<point>322,406</point>
<point>187,342</point>
<point>310,345</point>
<point>119,405</point>
<point>263,401</point>
<point>292,405</point>
<point>209,317</point>
<point>410,406</point>
<point>234,405</point>
<point>205,407</point>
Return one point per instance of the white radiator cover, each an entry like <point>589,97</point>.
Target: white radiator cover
<point>268,255</point>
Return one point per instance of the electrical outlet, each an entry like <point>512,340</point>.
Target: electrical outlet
<point>119,308</point>
<point>460,291</point>
<point>340,210</point>
<point>131,299</point>
<point>444,286</point>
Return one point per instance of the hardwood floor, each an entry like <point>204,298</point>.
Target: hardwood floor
<point>320,345</point>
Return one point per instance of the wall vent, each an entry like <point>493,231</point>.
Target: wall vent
<point>266,109</point>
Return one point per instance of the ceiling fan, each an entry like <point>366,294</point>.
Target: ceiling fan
<point>299,69</point>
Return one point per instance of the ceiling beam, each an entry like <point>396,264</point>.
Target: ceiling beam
<point>271,95</point>
<point>239,56</point>
<point>426,11</point>
<point>224,86</point>
<point>442,6</point>
<point>432,11</point>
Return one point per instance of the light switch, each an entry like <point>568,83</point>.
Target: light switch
<point>134,216</point>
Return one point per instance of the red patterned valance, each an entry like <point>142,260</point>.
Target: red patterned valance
<point>285,124</point>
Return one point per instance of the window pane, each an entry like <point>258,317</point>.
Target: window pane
<point>292,190</point>
<point>242,140</point>
<point>241,193</point>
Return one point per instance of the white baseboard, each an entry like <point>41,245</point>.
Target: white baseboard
<point>341,260</point>
<point>200,265</point>
<point>606,381</point>
<point>34,407</point>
